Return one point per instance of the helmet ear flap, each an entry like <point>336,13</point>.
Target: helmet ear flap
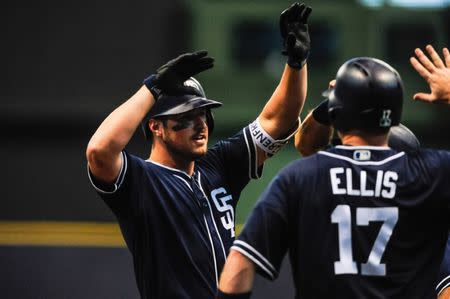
<point>210,121</point>
<point>145,129</point>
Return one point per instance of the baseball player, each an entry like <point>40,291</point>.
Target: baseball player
<point>359,220</point>
<point>315,133</point>
<point>176,209</point>
<point>437,74</point>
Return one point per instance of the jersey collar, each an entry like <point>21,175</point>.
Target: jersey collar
<point>177,171</point>
<point>370,147</point>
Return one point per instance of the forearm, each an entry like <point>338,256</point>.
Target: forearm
<point>115,132</point>
<point>283,108</point>
<point>312,136</point>
<point>117,129</point>
<point>237,275</point>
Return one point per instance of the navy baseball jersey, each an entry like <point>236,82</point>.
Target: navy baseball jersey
<point>358,222</point>
<point>444,274</point>
<point>179,228</point>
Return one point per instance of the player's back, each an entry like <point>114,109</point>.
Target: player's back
<point>369,222</point>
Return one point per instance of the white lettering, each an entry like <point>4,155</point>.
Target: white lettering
<point>222,206</point>
<point>335,181</point>
<point>378,183</point>
<point>385,183</point>
<point>389,182</point>
<point>364,190</point>
<point>350,190</point>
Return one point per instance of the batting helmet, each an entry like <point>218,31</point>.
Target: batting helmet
<point>175,104</point>
<point>368,96</point>
<point>403,139</point>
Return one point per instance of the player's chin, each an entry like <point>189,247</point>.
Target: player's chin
<point>200,151</point>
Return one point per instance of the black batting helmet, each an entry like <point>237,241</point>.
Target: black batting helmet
<point>403,139</point>
<point>175,104</point>
<point>368,96</point>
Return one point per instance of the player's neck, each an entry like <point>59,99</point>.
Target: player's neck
<point>361,139</point>
<point>173,161</point>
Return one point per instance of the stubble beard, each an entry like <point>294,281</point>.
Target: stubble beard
<point>180,153</point>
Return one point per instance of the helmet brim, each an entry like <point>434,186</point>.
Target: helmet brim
<point>171,105</point>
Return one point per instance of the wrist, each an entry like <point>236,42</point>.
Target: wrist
<point>150,83</point>
<point>320,113</point>
<point>295,64</point>
<point>222,295</point>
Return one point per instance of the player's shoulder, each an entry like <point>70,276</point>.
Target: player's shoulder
<point>301,166</point>
<point>431,157</point>
<point>132,159</point>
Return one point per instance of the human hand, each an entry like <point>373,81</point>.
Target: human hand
<point>294,31</point>
<point>435,72</point>
<point>170,77</point>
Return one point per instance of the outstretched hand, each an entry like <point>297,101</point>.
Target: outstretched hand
<point>294,31</point>
<point>435,72</point>
<point>170,77</point>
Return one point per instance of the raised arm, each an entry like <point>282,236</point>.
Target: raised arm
<point>315,132</point>
<point>435,72</point>
<point>103,152</point>
<point>114,133</point>
<point>280,114</point>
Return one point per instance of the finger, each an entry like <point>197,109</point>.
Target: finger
<point>332,84</point>
<point>200,67</point>
<point>200,53</point>
<point>423,97</point>
<point>305,15</point>
<point>288,11</point>
<point>205,63</point>
<point>435,57</point>
<point>424,60</point>
<point>423,72</point>
<point>295,12</point>
<point>446,57</point>
<point>189,57</point>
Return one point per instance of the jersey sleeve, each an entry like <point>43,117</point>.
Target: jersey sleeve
<point>235,160</point>
<point>264,239</point>
<point>123,196</point>
<point>107,190</point>
<point>444,274</point>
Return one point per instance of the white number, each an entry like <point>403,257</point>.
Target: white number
<point>373,266</point>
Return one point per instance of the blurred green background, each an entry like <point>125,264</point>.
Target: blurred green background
<point>67,65</point>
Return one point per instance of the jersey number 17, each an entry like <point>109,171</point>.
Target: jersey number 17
<point>373,266</point>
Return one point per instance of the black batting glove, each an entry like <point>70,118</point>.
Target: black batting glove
<point>170,77</point>
<point>320,113</point>
<point>294,31</point>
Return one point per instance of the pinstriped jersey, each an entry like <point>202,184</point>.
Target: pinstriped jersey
<point>358,222</point>
<point>179,228</point>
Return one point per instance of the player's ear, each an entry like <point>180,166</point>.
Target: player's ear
<point>156,127</point>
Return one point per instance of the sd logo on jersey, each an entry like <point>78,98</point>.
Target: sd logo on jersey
<point>221,198</point>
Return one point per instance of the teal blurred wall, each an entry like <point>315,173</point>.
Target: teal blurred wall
<point>243,37</point>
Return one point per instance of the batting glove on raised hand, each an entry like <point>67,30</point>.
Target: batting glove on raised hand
<point>170,77</point>
<point>294,31</point>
